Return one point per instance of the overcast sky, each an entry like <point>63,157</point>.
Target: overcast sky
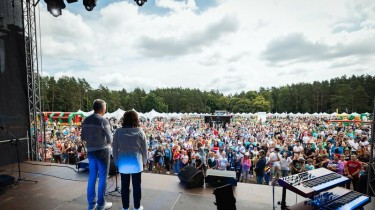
<point>226,45</point>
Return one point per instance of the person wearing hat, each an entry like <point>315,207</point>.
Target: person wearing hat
<point>246,164</point>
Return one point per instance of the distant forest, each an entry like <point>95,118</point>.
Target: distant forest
<point>345,94</point>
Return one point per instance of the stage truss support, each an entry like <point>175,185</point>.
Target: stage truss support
<point>33,77</point>
<point>371,167</point>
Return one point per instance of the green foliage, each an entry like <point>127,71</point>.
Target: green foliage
<point>347,94</point>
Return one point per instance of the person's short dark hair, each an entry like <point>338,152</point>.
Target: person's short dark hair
<point>131,119</point>
<point>98,105</point>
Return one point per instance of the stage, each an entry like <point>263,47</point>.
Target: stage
<point>159,192</point>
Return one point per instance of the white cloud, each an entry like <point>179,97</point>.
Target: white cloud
<point>177,5</point>
<point>228,47</point>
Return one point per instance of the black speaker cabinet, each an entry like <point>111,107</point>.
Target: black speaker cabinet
<point>191,177</point>
<point>225,199</point>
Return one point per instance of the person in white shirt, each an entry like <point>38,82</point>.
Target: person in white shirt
<point>354,145</point>
<point>150,159</point>
<point>275,158</point>
<point>223,162</point>
<point>298,148</point>
<point>364,142</point>
<point>255,151</point>
<point>241,148</point>
<point>284,164</point>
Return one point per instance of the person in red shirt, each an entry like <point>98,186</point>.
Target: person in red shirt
<point>352,168</point>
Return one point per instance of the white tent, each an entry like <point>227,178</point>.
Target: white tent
<point>86,113</point>
<point>118,114</point>
<point>152,114</point>
<point>355,114</point>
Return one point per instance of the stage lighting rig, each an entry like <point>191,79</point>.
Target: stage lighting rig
<point>140,2</point>
<point>55,7</point>
<point>89,4</point>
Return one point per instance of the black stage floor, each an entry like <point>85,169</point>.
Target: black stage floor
<point>159,192</point>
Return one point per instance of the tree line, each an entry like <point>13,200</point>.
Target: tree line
<point>345,94</point>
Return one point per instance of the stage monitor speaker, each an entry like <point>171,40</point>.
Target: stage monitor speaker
<point>217,178</point>
<point>225,199</point>
<point>191,177</point>
<point>6,180</point>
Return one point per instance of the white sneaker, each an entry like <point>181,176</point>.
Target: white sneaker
<point>107,205</point>
<point>168,172</point>
<point>140,208</point>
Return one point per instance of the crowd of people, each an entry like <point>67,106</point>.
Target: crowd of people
<point>257,151</point>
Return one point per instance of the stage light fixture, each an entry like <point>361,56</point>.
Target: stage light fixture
<point>89,4</point>
<point>140,2</point>
<point>55,6</point>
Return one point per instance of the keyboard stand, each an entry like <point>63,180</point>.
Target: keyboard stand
<point>283,199</point>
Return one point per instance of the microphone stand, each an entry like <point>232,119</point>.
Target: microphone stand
<point>117,189</point>
<point>14,141</point>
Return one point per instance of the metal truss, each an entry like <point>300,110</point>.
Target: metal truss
<point>371,166</point>
<point>33,77</point>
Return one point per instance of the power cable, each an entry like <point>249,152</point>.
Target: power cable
<point>60,166</point>
<point>75,180</point>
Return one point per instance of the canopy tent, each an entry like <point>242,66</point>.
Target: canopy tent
<point>118,114</point>
<point>86,113</point>
<point>152,114</point>
<point>284,114</point>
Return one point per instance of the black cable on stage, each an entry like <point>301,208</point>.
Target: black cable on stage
<point>75,180</point>
<point>61,166</point>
